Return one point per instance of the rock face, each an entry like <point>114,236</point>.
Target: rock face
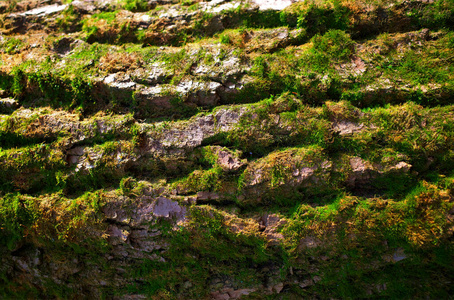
<point>363,172</point>
<point>276,5</point>
<point>8,105</point>
<point>271,224</point>
<point>241,149</point>
<point>168,209</point>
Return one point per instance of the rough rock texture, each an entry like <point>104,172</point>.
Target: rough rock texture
<point>170,149</point>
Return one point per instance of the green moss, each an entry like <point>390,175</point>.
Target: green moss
<point>136,5</point>
<point>11,45</point>
<point>16,214</point>
<point>333,45</point>
<point>321,18</point>
<point>210,248</point>
<point>357,239</point>
<point>69,20</point>
<point>202,180</point>
<point>435,15</point>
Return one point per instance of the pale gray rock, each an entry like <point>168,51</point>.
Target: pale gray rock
<point>273,4</point>
<point>117,235</point>
<point>346,127</point>
<point>120,81</point>
<point>44,10</point>
<point>228,160</point>
<point>271,224</point>
<point>166,208</point>
<point>157,73</point>
<point>8,105</point>
<point>73,155</point>
<point>363,172</point>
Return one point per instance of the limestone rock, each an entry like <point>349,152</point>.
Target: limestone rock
<point>286,170</point>
<point>230,293</point>
<point>271,224</point>
<point>345,127</point>
<point>309,242</point>
<point>199,93</point>
<point>156,73</point>
<point>272,4</point>
<point>228,160</point>
<point>363,172</point>
<point>8,105</point>
<point>44,10</point>
<point>272,39</point>
<point>164,207</point>
<point>119,81</point>
<point>117,235</point>
<point>205,196</point>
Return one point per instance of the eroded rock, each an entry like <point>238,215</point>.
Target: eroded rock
<point>272,223</point>
<point>167,208</point>
<point>44,10</point>
<point>8,105</point>
<point>363,172</point>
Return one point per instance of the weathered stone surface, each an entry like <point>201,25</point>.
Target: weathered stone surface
<point>230,293</point>
<point>269,40</point>
<point>272,223</point>
<point>205,195</point>
<point>117,235</point>
<point>7,105</point>
<point>74,155</point>
<point>227,67</point>
<point>116,179</point>
<point>199,93</point>
<point>363,172</point>
<point>85,6</point>
<point>345,127</point>
<point>274,5</point>
<point>286,170</point>
<point>228,160</point>
<point>44,10</point>
<point>190,93</point>
<point>167,208</point>
<point>189,134</point>
<point>156,73</point>
<point>120,81</point>
<point>43,123</point>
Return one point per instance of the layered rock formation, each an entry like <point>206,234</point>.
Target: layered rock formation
<point>226,149</point>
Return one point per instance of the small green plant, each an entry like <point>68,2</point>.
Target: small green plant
<point>136,5</point>
<point>12,45</point>
<point>317,19</point>
<point>69,19</point>
<point>109,16</point>
<point>224,39</point>
<point>334,44</point>
<point>16,213</point>
<point>127,185</point>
